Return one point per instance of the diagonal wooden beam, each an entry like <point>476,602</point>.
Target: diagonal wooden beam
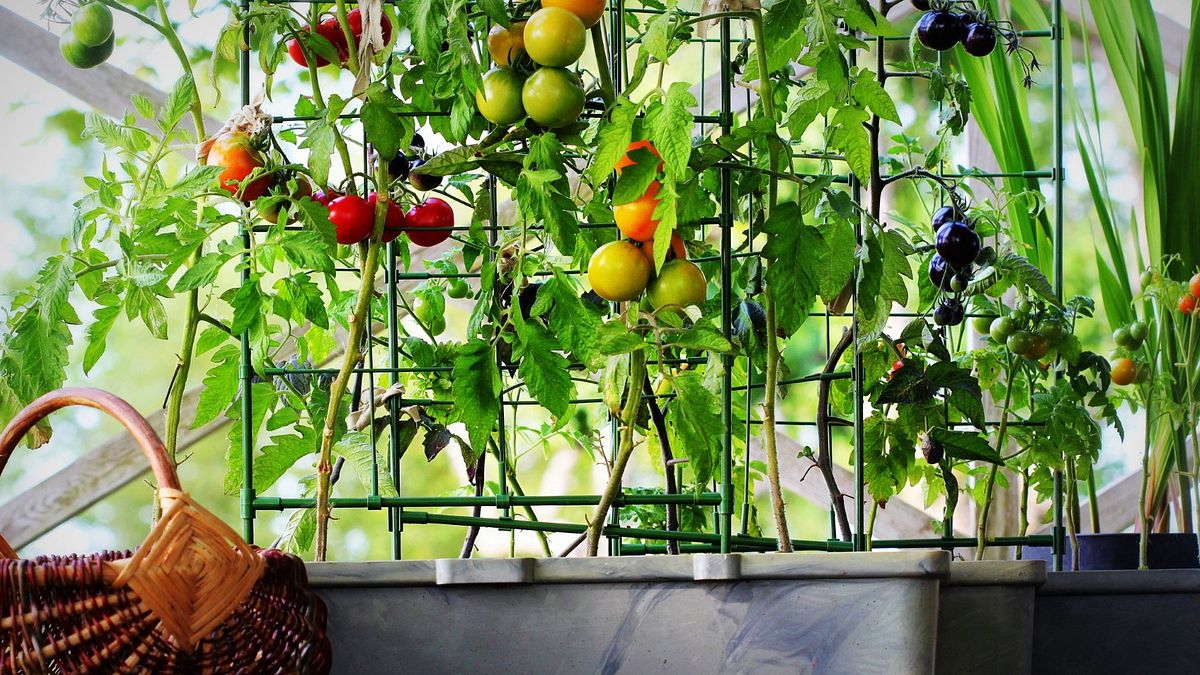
<point>106,88</point>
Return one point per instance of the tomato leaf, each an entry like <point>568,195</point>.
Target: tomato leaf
<point>368,465</point>
<point>670,126</point>
<point>247,303</point>
<point>612,140</point>
<point>220,386</point>
<point>783,32</point>
<point>694,425</point>
<point>203,273</point>
<point>792,279</point>
<point>871,93</point>
<point>97,335</point>
<point>387,130</point>
<point>575,322</point>
<point>477,390</point>
<point>544,369</point>
<point>966,445</point>
<point>851,138</point>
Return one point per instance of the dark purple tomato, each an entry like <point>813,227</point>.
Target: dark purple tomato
<point>949,313</point>
<point>399,165</point>
<point>945,215</point>
<point>937,271</point>
<point>933,451</point>
<point>940,30</point>
<point>979,40</point>
<point>922,5</point>
<point>958,244</point>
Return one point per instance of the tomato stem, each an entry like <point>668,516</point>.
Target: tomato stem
<point>599,46</point>
<point>633,397</point>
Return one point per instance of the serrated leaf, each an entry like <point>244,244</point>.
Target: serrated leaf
<point>477,390</point>
<point>704,338</point>
<point>695,427</point>
<point>851,138</point>
<point>359,450</point>
<point>97,335</point>
<point>281,455</point>
<point>871,93</point>
<point>612,140</point>
<point>247,305</point>
<point>792,249</point>
<point>966,445</point>
<point>220,386</point>
<point>1029,275</point>
<point>203,273</point>
<point>545,371</point>
<point>671,128</point>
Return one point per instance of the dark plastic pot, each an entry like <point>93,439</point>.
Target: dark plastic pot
<point>1100,552</point>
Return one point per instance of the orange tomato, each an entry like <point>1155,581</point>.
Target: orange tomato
<point>1194,285</point>
<point>588,11</point>
<point>677,250</point>
<point>636,219</point>
<point>626,160</point>
<point>1124,371</point>
<point>1187,304</point>
<point>506,44</point>
<point>234,153</point>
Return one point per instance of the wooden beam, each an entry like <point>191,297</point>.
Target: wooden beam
<point>1118,506</point>
<point>106,88</point>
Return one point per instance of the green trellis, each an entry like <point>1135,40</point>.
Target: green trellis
<point>415,509</point>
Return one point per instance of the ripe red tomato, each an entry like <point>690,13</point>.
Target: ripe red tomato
<point>1194,285</point>
<point>427,223</point>
<point>234,152</point>
<point>353,218</point>
<point>327,29</point>
<point>354,18</point>
<point>1187,304</point>
<point>393,223</point>
<point>588,11</point>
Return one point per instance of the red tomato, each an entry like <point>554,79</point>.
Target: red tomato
<point>323,197</point>
<point>421,220</point>
<point>393,224</point>
<point>233,151</point>
<point>1187,304</point>
<point>1194,285</point>
<point>327,29</point>
<point>353,218</point>
<point>354,18</point>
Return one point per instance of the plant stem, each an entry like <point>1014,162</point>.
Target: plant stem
<point>664,444</point>
<point>1143,515</point>
<point>637,370</point>
<point>179,385</point>
<point>771,389</point>
<point>607,89</point>
<point>1001,435</point>
<point>348,36</point>
<point>824,451</point>
<point>1093,504</point>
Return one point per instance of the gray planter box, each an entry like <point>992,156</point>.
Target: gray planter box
<point>985,618</point>
<point>746,613</point>
<point>1118,622</point>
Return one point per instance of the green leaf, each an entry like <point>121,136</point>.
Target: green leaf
<point>477,390</point>
<point>966,445</point>
<point>281,455</point>
<point>871,93</point>
<point>837,264</point>
<point>97,335</point>
<point>1029,275</point>
<point>220,386</point>
<point>792,279</point>
<point>386,130</point>
<point>635,179</point>
<point>299,531</point>
<point>703,337</point>
<point>614,337</point>
<point>262,398</point>
<point>247,305</point>
<point>178,102</point>
<point>545,371</point>
<point>359,450</point>
<point>495,11</point>
<point>307,250</point>
<point>612,140</point>
<point>671,128</point>
<point>783,32</point>
<point>203,273</point>
<point>574,322</point>
<point>427,22</point>
<point>962,390</point>
<point>694,425</point>
<point>851,138</point>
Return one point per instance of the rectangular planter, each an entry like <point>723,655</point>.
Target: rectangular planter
<point>985,617</point>
<point>1118,622</point>
<point>760,613</point>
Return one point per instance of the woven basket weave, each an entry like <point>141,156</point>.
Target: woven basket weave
<point>193,598</point>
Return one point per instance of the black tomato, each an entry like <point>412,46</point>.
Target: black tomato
<point>945,215</point>
<point>949,313</point>
<point>922,5</point>
<point>940,31</point>
<point>958,244</point>
<point>937,272</point>
<point>979,40</point>
<point>421,181</point>
<point>399,166</point>
<point>933,451</point>
<point>527,298</point>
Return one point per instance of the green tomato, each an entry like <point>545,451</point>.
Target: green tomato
<point>1001,328</point>
<point>1054,330</point>
<point>553,97</point>
<point>92,24</point>
<point>1147,279</point>
<point>680,283</point>
<point>1025,307</point>
<point>458,289</point>
<point>80,55</point>
<point>433,319</point>
<point>1123,338</point>
<point>499,98</point>
<point>1019,342</point>
<point>1139,331</point>
<point>982,325</point>
<point>1018,317</point>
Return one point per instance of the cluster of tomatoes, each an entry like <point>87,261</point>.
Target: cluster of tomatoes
<point>88,40</point>
<point>1187,302</point>
<point>353,217</point>
<point>531,57</point>
<point>950,269</point>
<point>1129,339</point>
<point>622,270</point>
<point>1029,330</point>
<point>942,27</point>
<point>329,30</point>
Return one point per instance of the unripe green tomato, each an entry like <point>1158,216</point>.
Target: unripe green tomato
<point>434,321</point>
<point>458,289</point>
<point>1019,342</point>
<point>1025,307</point>
<point>1123,338</point>
<point>1053,329</point>
<point>1020,318</point>
<point>1139,331</point>
<point>553,97</point>
<point>1001,328</point>
<point>80,55</point>
<point>92,24</point>
<point>1147,279</point>
<point>958,283</point>
<point>679,283</point>
<point>982,325</point>
<point>499,97</point>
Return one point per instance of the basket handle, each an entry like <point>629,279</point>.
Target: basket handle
<point>132,420</point>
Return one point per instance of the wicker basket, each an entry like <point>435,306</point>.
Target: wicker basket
<point>194,598</point>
